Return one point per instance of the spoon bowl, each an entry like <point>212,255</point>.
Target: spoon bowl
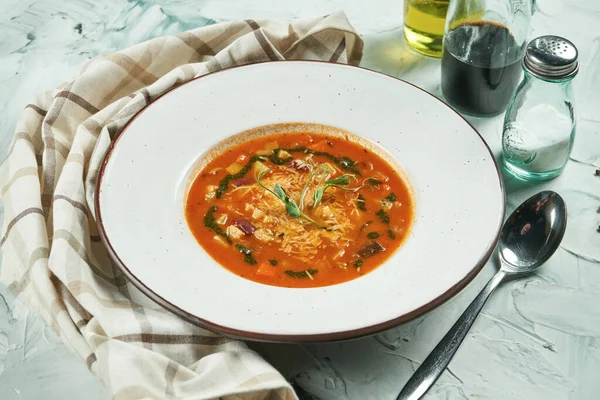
<point>532,233</point>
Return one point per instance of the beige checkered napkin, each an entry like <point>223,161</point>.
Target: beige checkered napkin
<point>52,254</point>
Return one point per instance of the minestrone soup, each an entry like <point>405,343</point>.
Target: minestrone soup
<point>299,209</point>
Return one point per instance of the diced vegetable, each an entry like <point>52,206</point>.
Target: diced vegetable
<point>220,240</point>
<point>371,249</point>
<point>259,168</point>
<point>283,154</point>
<point>271,146</point>
<point>234,232</point>
<point>222,220</point>
<point>258,214</point>
<point>264,152</point>
<point>247,180</point>
<point>269,219</point>
<point>234,168</point>
<point>210,192</point>
<point>275,159</point>
<point>326,212</point>
<point>244,225</point>
<point>264,235</point>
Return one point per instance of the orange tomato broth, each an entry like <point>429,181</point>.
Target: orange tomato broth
<point>306,254</point>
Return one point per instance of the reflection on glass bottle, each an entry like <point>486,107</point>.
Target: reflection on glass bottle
<point>484,43</point>
<point>539,125</point>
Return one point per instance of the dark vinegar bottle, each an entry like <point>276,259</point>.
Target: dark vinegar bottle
<point>481,60</point>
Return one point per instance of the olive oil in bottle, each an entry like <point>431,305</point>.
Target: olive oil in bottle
<point>424,22</point>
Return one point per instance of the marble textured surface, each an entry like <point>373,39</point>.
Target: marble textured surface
<point>538,338</point>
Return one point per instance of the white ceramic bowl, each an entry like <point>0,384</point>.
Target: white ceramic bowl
<point>458,192</point>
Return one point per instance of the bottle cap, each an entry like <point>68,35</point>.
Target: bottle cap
<point>551,57</point>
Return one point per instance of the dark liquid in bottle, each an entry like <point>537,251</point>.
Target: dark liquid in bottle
<point>481,67</point>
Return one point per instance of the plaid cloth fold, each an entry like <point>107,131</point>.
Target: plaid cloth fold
<point>52,254</point>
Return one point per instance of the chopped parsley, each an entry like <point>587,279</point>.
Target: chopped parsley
<point>391,234</point>
<point>247,253</point>
<point>275,159</point>
<point>361,203</point>
<point>358,263</point>
<point>301,274</point>
<point>372,235</point>
<point>211,223</point>
<point>390,198</point>
<point>273,262</point>
<point>383,216</point>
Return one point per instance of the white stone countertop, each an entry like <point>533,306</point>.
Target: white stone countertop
<point>537,338</point>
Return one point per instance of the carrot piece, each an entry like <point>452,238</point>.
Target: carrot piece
<point>265,269</point>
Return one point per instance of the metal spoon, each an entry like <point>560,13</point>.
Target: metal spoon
<point>529,238</point>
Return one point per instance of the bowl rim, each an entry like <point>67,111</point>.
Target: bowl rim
<point>294,338</point>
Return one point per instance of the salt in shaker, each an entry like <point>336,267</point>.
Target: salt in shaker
<point>539,124</point>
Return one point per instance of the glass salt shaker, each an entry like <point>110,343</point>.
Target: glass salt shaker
<point>539,124</point>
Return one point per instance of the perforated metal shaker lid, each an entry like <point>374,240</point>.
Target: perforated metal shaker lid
<point>551,57</point>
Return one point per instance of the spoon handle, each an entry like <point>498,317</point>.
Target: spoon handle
<point>440,357</point>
